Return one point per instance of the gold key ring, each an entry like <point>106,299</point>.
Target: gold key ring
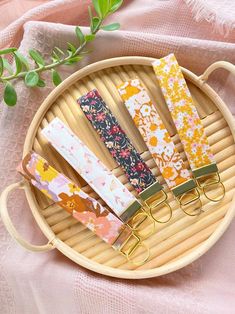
<point>136,223</point>
<point>162,200</point>
<point>218,199</point>
<point>128,253</point>
<point>206,185</point>
<point>194,200</point>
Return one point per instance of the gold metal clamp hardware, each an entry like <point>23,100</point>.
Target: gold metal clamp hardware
<point>129,251</point>
<point>187,194</point>
<point>153,197</point>
<point>208,177</point>
<point>134,216</point>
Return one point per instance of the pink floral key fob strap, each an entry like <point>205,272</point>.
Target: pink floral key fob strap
<point>92,170</point>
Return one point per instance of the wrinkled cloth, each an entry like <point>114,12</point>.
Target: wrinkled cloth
<point>51,283</point>
<point>20,7</point>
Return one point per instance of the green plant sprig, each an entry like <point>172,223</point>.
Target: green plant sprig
<point>32,76</point>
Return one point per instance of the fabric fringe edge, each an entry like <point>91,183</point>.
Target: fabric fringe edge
<point>202,12</point>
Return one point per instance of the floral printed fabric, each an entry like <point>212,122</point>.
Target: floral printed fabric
<point>183,111</point>
<point>70,197</point>
<point>115,139</point>
<point>85,162</point>
<point>154,133</point>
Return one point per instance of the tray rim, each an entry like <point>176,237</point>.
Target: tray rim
<point>68,251</point>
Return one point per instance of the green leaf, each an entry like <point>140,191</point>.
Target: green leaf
<point>115,5</point>
<point>54,59</point>
<point>18,64</point>
<point>8,50</point>
<point>80,35</point>
<point>89,37</point>
<point>72,48</point>
<point>37,57</point>
<point>85,52</point>
<point>7,66</point>
<point>22,59</point>
<point>97,7</point>
<point>104,7</point>
<point>41,83</point>
<point>55,56</point>
<point>101,7</point>
<point>56,77</point>
<point>70,53</point>
<point>31,79</point>
<point>59,50</point>
<point>94,23</point>
<point>73,60</point>
<point>10,96</point>
<point>111,27</point>
<point>1,66</point>
<point>90,12</point>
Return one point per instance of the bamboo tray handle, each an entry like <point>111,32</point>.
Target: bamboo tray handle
<point>9,225</point>
<point>217,65</point>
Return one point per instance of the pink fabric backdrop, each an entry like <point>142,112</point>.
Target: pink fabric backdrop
<point>49,282</point>
<point>13,9</point>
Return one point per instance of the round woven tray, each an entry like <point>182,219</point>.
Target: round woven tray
<point>175,244</point>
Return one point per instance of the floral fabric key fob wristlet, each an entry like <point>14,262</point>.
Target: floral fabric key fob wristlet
<point>159,143</point>
<point>85,209</point>
<point>139,175</point>
<point>188,124</point>
<point>94,172</point>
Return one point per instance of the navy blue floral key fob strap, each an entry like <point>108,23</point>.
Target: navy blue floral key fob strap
<point>122,150</point>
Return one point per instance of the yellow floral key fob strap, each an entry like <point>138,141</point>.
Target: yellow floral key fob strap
<point>188,124</point>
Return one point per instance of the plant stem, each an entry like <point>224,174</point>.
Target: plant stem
<point>54,64</point>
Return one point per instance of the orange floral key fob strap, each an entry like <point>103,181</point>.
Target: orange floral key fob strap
<point>157,139</point>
